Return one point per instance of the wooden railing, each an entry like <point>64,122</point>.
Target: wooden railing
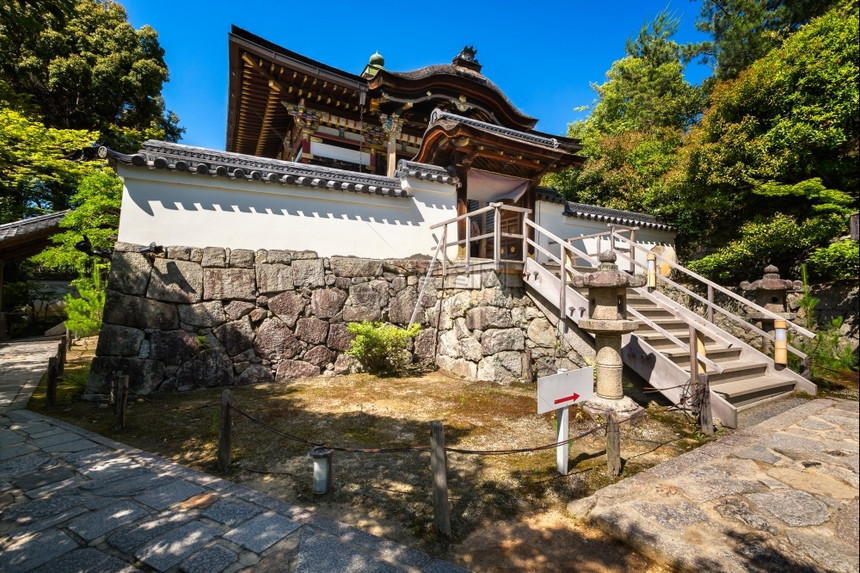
<point>569,254</point>
<point>710,306</point>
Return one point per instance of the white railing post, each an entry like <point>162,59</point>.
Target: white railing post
<point>497,236</point>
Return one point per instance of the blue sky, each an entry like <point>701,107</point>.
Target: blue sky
<point>544,55</point>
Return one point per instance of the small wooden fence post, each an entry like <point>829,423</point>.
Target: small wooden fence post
<point>51,393</point>
<point>613,445</point>
<point>61,356</point>
<point>225,439</point>
<point>439,469</point>
<point>120,405</point>
<point>706,419</point>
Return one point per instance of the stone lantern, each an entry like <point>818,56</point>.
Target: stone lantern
<point>607,320</point>
<point>770,293</point>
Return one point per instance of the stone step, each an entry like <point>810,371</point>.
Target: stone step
<point>734,371</point>
<point>715,352</point>
<point>748,392</point>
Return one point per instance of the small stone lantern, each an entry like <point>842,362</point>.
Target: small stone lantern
<point>770,293</point>
<point>607,319</point>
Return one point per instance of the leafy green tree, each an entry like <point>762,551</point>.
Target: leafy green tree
<point>636,124</point>
<point>87,68</point>
<point>743,31</point>
<point>37,170</point>
<point>782,138</point>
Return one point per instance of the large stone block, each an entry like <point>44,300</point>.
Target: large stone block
<point>129,273</point>
<point>203,315</point>
<point>319,356</point>
<point>308,273</point>
<point>425,345</point>
<point>457,367</point>
<point>339,336</point>
<point>275,278</point>
<point>139,312</point>
<point>312,330</point>
<point>362,313</point>
<point>275,341</point>
<point>372,294</point>
<point>498,340</point>
<point>236,336</point>
<point>143,375</point>
<point>255,374</point>
<point>242,258</point>
<point>325,303</point>
<point>175,281</point>
<point>403,305</point>
<point>504,367</point>
<point>542,333</point>
<point>210,368</point>
<point>484,317</point>
<point>119,341</point>
<point>226,284</point>
<point>214,257</point>
<point>355,267</point>
<point>292,369</point>
<point>173,346</point>
<point>238,308</point>
<point>288,306</point>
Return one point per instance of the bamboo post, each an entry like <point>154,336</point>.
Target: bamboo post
<point>51,394</point>
<point>706,420</point>
<point>613,445</point>
<point>439,469</point>
<point>225,439</point>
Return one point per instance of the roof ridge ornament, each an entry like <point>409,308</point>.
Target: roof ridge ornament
<point>466,59</point>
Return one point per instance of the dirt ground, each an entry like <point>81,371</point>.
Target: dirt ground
<point>508,512</point>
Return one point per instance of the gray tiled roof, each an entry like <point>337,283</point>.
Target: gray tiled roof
<point>603,214</point>
<point>17,229</point>
<point>198,161</point>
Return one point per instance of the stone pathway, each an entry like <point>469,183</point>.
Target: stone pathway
<point>75,501</point>
<point>22,364</point>
<point>778,496</point>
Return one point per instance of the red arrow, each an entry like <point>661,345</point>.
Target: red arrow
<point>574,397</point>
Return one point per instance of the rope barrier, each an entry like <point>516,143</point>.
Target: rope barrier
<point>418,448</point>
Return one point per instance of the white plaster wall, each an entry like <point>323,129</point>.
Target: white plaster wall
<point>551,217</point>
<point>171,208</point>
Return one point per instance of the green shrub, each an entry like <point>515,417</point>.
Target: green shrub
<point>381,348</point>
<point>839,260</point>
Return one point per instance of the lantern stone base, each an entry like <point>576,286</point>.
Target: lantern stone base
<point>625,408</point>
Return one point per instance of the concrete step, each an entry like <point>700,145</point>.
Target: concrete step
<point>659,342</point>
<point>748,392</point>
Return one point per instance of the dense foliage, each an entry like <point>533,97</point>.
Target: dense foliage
<point>767,172</point>
<point>86,67</point>
<point>75,74</point>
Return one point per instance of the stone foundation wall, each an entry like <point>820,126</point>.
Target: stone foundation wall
<point>194,317</point>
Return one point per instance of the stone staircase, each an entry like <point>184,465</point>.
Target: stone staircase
<point>739,375</point>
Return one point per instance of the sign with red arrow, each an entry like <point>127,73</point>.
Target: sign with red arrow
<point>565,389</point>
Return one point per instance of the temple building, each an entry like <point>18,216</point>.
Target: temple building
<point>285,106</point>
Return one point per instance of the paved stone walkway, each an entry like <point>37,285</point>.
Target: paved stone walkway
<point>73,501</point>
<point>778,496</point>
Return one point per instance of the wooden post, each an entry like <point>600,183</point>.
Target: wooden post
<point>530,372</point>
<point>711,303</point>
<point>439,469</point>
<point>120,405</point>
<point>61,355</point>
<point>706,420</point>
<point>225,439</point>
<point>697,346</point>
<point>613,445</point>
<point>51,394</point>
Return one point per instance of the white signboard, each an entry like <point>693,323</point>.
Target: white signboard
<point>565,389</point>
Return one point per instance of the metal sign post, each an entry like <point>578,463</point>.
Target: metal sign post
<point>558,392</point>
